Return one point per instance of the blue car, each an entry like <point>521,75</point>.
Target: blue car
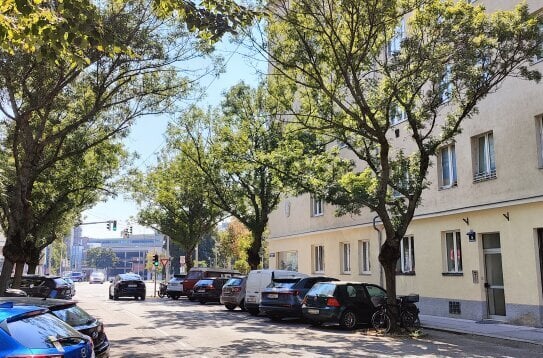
<point>31,331</point>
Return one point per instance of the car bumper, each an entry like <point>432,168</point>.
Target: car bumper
<point>281,311</point>
<point>326,314</point>
<point>130,292</point>
<point>102,350</point>
<point>206,296</point>
<point>231,300</point>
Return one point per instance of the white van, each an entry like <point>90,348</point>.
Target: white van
<point>258,280</point>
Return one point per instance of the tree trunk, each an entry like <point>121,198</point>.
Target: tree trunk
<point>7,268</point>
<point>253,252</point>
<point>388,257</point>
<point>19,268</point>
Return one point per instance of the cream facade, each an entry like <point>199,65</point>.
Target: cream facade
<point>475,248</point>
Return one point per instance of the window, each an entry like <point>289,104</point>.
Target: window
<point>539,126</point>
<point>345,258</point>
<point>447,167</point>
<point>364,256</point>
<point>453,251</point>
<point>397,115</point>
<point>445,87</point>
<point>316,206</point>
<point>318,258</point>
<point>287,260</point>
<point>395,43</point>
<point>486,162</point>
<point>539,55</point>
<point>406,263</point>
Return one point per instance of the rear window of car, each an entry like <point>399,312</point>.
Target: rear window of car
<point>234,282</point>
<point>60,282</point>
<point>194,275</point>
<point>130,277</point>
<point>204,282</point>
<point>322,289</point>
<point>34,332</point>
<point>283,283</point>
<point>74,316</point>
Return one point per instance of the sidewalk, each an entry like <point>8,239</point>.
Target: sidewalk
<point>491,329</point>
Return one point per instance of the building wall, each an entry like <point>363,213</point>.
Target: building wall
<point>511,205</point>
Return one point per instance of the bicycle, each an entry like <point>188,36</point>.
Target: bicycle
<point>408,314</point>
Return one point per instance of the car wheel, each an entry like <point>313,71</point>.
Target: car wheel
<point>230,307</point>
<point>142,298</point>
<point>115,297</point>
<point>348,320</point>
<point>242,305</point>
<point>110,296</point>
<point>253,311</point>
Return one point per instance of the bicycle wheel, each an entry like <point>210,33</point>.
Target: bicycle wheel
<point>381,322</point>
<point>410,321</point>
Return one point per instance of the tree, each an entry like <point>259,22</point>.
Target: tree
<point>54,110</point>
<point>232,245</point>
<point>101,257</point>
<point>351,71</point>
<point>175,202</point>
<point>230,146</point>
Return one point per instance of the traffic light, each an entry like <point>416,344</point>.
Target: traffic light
<point>155,260</point>
<point>114,225</point>
<point>108,225</point>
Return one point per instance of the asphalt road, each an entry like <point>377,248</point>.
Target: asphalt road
<point>165,328</point>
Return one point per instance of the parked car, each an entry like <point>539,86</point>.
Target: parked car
<point>30,331</point>
<point>70,282</point>
<point>283,297</point>
<point>174,288</point>
<point>46,286</point>
<point>97,277</point>
<point>72,314</point>
<point>346,303</point>
<point>76,276</point>
<point>14,292</point>
<point>127,285</point>
<point>257,280</point>
<point>209,289</point>
<point>233,293</point>
<point>198,273</point>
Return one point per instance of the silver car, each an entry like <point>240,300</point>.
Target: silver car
<point>97,277</point>
<point>233,293</point>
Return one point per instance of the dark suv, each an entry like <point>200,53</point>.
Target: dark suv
<point>46,287</point>
<point>283,298</point>
<point>127,285</point>
<point>209,289</point>
<point>75,316</point>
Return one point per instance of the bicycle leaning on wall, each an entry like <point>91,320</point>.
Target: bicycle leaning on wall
<point>408,314</point>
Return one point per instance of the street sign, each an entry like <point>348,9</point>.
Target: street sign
<point>164,261</point>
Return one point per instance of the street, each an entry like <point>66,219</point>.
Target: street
<point>165,328</point>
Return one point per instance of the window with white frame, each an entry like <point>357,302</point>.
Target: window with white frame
<point>318,258</point>
<point>397,115</point>
<point>445,87</point>
<point>539,126</point>
<point>364,256</point>
<point>486,161</point>
<point>453,251</point>
<point>395,42</point>
<point>317,205</point>
<point>406,263</point>
<point>447,167</point>
<point>287,260</point>
<point>345,257</point>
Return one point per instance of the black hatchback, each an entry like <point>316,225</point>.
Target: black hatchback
<point>283,297</point>
<point>72,314</point>
<point>46,287</point>
<point>127,285</point>
<point>346,303</point>
<point>209,289</point>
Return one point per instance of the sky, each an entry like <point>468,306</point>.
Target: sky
<point>147,139</point>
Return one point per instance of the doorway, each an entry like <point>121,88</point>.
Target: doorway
<point>495,293</point>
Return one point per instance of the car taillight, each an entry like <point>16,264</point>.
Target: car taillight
<point>332,302</point>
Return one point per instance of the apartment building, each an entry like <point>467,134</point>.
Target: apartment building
<point>475,247</point>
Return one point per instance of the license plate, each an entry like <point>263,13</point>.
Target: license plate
<point>272,295</point>
<point>251,299</point>
<point>312,311</point>
<point>201,291</point>
<point>132,286</point>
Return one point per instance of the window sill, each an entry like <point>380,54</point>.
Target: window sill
<point>455,185</point>
<point>452,274</point>
<point>365,273</point>
<point>410,273</point>
<point>346,273</point>
<point>319,272</point>
<point>484,176</point>
<point>317,215</point>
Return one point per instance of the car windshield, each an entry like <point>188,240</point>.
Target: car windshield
<point>236,281</point>
<point>283,283</point>
<point>74,316</point>
<point>322,289</point>
<point>97,274</point>
<point>35,332</point>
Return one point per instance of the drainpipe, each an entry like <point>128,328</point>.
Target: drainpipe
<point>380,238</point>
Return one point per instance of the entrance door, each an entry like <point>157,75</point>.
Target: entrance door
<point>495,294</point>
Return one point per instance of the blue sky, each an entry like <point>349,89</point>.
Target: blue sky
<point>147,138</point>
